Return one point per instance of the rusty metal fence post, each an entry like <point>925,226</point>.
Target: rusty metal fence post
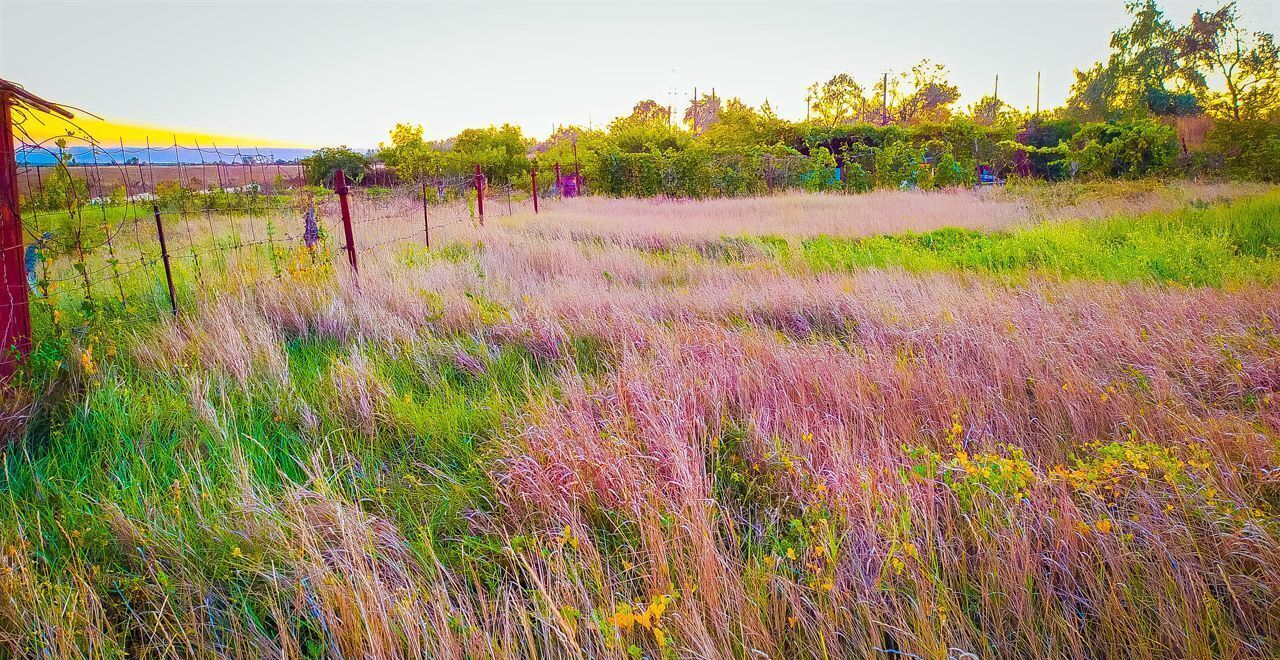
<point>340,187</point>
<point>164,256</point>
<point>480,192</point>
<point>533,186</point>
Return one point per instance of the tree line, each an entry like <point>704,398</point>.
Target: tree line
<point>907,131</point>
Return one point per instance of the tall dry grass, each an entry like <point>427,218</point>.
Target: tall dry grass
<point>688,457</point>
<point>659,222</point>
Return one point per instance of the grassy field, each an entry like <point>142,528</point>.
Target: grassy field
<point>944,425</point>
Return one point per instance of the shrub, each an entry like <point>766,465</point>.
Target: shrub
<point>898,165</point>
<point>1249,149</point>
<point>59,192</point>
<point>1131,149</point>
<point>321,165</point>
<point>821,175</point>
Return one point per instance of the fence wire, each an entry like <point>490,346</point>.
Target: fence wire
<point>109,232</point>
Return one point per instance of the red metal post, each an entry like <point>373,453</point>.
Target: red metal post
<point>164,256</point>
<point>426,226</point>
<point>480,186</point>
<point>16,314</point>
<point>533,185</point>
<point>340,187</point>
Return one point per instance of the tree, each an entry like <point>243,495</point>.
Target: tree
<point>991,110</point>
<point>1147,72</point>
<point>1246,63</point>
<point>742,127</point>
<point>321,165</point>
<point>649,112</point>
<point>501,150</point>
<point>647,128</point>
<point>840,100</point>
<point>702,113</point>
<point>922,94</point>
<point>410,156</point>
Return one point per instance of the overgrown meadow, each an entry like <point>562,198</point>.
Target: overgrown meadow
<point>661,429</point>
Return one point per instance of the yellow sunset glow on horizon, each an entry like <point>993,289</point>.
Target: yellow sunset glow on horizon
<point>43,127</point>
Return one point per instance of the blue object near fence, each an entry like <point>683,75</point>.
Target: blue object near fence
<point>35,253</point>
<point>311,230</point>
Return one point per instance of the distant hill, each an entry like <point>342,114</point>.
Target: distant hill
<point>167,156</point>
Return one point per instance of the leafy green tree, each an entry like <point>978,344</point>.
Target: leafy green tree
<point>840,100</point>
<point>320,166</point>
<point>503,152</point>
<point>990,110</point>
<point>742,127</point>
<point>411,157</point>
<point>922,94</point>
<point>1148,71</point>
<point>1246,63</point>
<point>647,128</point>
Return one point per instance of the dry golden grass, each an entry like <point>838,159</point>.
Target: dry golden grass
<point>800,215</point>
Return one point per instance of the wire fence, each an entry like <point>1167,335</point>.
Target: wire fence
<point>122,234</point>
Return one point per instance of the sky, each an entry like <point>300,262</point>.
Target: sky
<point>298,73</point>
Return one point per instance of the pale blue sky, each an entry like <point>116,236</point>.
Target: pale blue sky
<point>329,73</point>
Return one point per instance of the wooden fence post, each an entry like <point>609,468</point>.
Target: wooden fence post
<point>164,256</point>
<point>16,316</point>
<point>340,187</point>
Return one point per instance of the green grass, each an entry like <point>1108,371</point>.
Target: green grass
<point>1210,246</point>
<point>159,492</point>
<point>132,449</point>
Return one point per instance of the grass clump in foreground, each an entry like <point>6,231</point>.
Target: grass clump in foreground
<point>493,451</point>
<point>1196,246</point>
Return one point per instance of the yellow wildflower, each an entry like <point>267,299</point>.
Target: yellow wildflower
<point>86,361</point>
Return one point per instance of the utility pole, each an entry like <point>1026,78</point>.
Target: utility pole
<point>884,100</point>
<point>996,93</point>
<point>1037,93</point>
